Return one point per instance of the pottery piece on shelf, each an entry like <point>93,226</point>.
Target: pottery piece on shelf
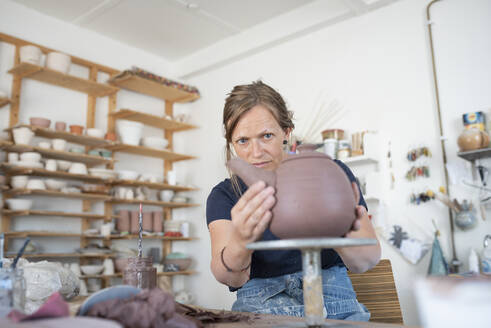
<point>59,144</point>
<point>13,157</point>
<point>30,54</point>
<point>78,168</point>
<point>91,269</point>
<point>110,136</point>
<point>155,142</point>
<point>78,150</point>
<point>19,181</point>
<point>129,132</point>
<point>472,139</point>
<point>58,61</point>
<point>54,184</point>
<point>50,165</point>
<point>36,184</point>
<point>157,221</point>
<point>166,195</point>
<point>60,126</point>
<point>18,204</point>
<point>30,156</point>
<point>44,145</point>
<point>147,222</point>
<point>63,165</point>
<point>314,197</point>
<point>96,133</point>
<point>76,129</point>
<point>134,223</point>
<point>123,221</point>
<point>127,175</point>
<point>40,122</point>
<point>22,135</point>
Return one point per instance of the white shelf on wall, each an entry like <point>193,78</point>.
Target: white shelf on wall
<point>359,160</point>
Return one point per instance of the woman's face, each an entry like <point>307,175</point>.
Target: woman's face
<point>258,138</point>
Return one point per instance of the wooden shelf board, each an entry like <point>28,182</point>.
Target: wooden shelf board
<point>89,160</point>
<point>52,213</point>
<point>24,234</point>
<point>117,275</point>
<point>152,120</point>
<point>18,170</point>
<point>46,75</point>
<point>359,160</point>
<point>4,101</point>
<point>152,88</point>
<point>52,193</point>
<point>472,155</point>
<point>70,137</point>
<point>153,237</point>
<point>151,185</point>
<point>150,152</point>
<point>151,202</point>
<point>67,255</point>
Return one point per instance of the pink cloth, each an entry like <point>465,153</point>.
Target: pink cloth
<point>54,307</point>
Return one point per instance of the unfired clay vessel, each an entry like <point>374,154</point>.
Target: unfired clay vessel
<point>314,197</point>
<point>472,139</point>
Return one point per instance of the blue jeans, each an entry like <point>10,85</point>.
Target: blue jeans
<point>283,295</point>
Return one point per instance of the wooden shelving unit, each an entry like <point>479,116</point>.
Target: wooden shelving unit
<point>46,75</point>
<point>63,255</point>
<point>68,136</point>
<point>4,101</point>
<point>150,152</point>
<point>89,216</point>
<point>24,234</point>
<point>117,275</point>
<point>89,160</point>
<point>151,185</point>
<point>152,237</point>
<point>53,193</point>
<point>151,202</point>
<point>18,170</point>
<point>152,120</point>
<point>154,89</point>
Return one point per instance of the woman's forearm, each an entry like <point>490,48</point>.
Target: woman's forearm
<point>234,257</point>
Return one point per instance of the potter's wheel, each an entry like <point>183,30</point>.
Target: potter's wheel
<point>311,264</point>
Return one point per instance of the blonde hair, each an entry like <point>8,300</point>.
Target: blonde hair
<point>243,98</point>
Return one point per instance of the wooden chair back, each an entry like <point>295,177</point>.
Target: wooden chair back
<point>376,289</point>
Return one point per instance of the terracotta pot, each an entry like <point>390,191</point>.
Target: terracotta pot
<point>472,139</point>
<point>123,222</point>
<point>40,122</point>
<point>134,225</point>
<point>314,197</point>
<point>76,129</point>
<point>60,126</point>
<point>110,136</point>
<point>147,223</point>
<point>157,221</point>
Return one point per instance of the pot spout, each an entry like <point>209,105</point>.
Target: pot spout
<point>251,174</point>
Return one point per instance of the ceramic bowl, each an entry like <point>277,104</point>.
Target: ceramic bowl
<point>30,54</point>
<point>58,61</point>
<point>34,165</point>
<point>128,175</point>
<point>166,195</point>
<point>78,150</point>
<point>18,204</point>
<point>36,184</point>
<point>106,294</point>
<point>59,144</point>
<point>63,165</point>
<point>182,264</point>
<point>53,184</point>
<point>91,269</point>
<point>22,135</point>
<point>40,122</point>
<point>96,133</point>
<point>44,145</point>
<point>19,181</point>
<point>78,168</point>
<point>129,132</point>
<point>103,173</point>
<point>155,142</point>
<point>30,157</point>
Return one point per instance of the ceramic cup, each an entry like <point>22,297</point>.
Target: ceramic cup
<point>30,54</point>
<point>108,266</point>
<point>59,144</point>
<point>106,229</point>
<point>51,165</point>
<point>60,126</point>
<point>13,157</point>
<point>22,135</point>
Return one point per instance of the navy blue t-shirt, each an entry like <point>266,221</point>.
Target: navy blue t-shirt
<point>267,263</point>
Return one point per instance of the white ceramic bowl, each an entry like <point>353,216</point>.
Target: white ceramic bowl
<point>18,204</point>
<point>19,181</point>
<point>63,165</point>
<point>23,135</point>
<point>96,133</point>
<point>35,184</point>
<point>103,173</point>
<point>129,132</point>
<point>35,165</point>
<point>78,168</point>
<point>59,144</point>
<point>30,157</point>
<point>91,269</point>
<point>166,195</point>
<point>155,142</point>
<point>30,54</point>
<point>44,144</point>
<point>53,184</point>
<point>58,61</point>
<point>128,175</point>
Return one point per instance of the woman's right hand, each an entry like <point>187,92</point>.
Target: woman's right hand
<point>252,213</point>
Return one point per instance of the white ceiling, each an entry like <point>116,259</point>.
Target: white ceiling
<point>184,31</point>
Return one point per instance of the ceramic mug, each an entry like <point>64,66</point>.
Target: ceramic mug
<point>51,165</point>
<point>59,144</point>
<point>108,266</point>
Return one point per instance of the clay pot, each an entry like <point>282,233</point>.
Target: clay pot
<point>76,129</point>
<point>157,221</point>
<point>60,126</point>
<point>134,224</point>
<point>110,136</point>
<point>147,222</point>
<point>472,139</point>
<point>40,122</point>
<point>120,264</point>
<point>123,221</point>
<point>314,197</point>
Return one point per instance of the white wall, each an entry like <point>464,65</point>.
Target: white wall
<point>378,67</point>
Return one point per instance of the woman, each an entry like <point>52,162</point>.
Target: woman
<point>257,126</point>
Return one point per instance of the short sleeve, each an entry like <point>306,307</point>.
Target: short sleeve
<point>352,178</point>
<point>219,203</point>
